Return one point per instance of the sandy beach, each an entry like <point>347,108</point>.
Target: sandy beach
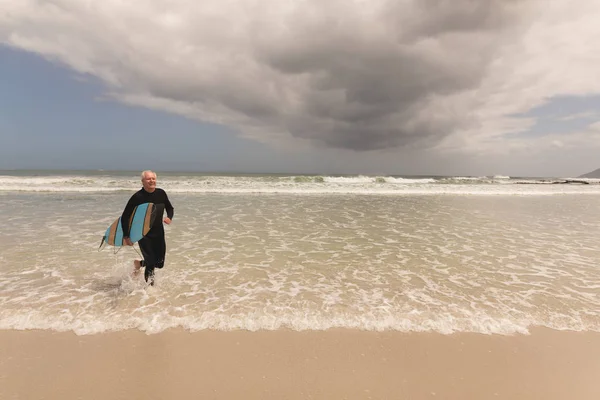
<point>336,364</point>
<point>286,288</point>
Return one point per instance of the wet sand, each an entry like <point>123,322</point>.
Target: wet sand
<point>336,364</point>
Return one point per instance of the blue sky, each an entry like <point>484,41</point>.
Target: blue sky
<point>378,88</point>
<point>52,117</point>
<point>55,118</point>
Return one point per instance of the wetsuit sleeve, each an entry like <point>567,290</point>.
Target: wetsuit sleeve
<point>169,207</point>
<point>133,201</point>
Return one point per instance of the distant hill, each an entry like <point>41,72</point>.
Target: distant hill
<point>593,174</point>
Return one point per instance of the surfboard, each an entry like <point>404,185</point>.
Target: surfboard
<point>141,221</point>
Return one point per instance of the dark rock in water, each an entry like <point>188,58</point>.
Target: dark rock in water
<point>594,174</point>
<point>573,181</point>
<point>557,182</point>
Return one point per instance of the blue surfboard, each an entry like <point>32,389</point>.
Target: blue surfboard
<point>142,219</point>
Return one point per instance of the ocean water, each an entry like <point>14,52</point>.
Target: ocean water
<point>434,254</point>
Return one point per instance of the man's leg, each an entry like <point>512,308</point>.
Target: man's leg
<point>137,265</point>
<point>150,261</point>
<point>149,274</point>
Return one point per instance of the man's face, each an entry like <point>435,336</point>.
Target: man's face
<point>149,182</point>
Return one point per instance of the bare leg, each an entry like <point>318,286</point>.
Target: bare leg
<point>137,265</point>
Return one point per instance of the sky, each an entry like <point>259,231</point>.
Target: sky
<point>403,87</point>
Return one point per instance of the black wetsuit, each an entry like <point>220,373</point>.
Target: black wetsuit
<point>153,245</point>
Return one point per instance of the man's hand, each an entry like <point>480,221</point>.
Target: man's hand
<point>127,241</point>
<point>167,220</point>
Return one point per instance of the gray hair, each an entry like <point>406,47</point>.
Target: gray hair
<point>148,172</point>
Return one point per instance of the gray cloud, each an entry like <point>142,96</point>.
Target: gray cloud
<point>369,83</point>
<point>349,75</point>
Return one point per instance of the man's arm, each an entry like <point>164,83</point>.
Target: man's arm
<point>169,209</point>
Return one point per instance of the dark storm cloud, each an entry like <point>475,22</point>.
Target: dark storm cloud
<point>350,75</point>
<point>367,81</point>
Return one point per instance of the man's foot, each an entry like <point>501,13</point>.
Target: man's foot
<point>149,275</point>
<point>137,265</point>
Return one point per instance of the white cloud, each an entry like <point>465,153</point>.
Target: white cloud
<point>580,115</point>
<point>595,127</point>
<point>347,74</point>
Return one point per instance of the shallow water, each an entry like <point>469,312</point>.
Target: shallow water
<point>444,261</point>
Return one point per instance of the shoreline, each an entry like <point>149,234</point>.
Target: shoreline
<point>334,364</point>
